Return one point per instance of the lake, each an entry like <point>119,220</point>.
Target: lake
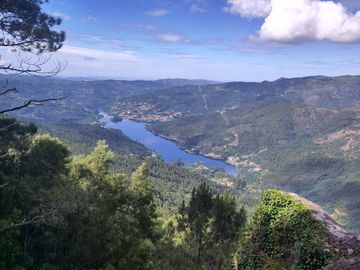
<point>167,149</point>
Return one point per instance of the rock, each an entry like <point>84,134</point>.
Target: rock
<point>335,229</point>
<point>341,242</point>
<point>345,264</point>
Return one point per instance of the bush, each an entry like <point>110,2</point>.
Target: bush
<point>283,234</point>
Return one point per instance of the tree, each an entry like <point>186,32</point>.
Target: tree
<point>145,207</point>
<point>199,214</point>
<point>60,212</point>
<point>25,28</point>
<point>46,156</point>
<point>225,227</point>
<point>211,224</point>
<point>140,180</point>
<point>115,226</point>
<point>32,197</point>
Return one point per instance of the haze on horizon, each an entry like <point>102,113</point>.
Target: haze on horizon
<point>225,40</point>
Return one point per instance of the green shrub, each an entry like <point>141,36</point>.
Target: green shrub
<point>283,235</point>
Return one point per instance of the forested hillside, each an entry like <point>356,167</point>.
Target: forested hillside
<point>83,98</point>
<point>73,212</point>
<point>299,135</point>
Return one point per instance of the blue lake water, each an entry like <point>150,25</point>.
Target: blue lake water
<point>167,149</point>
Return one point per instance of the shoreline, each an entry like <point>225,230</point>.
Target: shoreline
<point>146,125</point>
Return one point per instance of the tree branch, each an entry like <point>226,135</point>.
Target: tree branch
<point>8,91</point>
<point>7,127</point>
<point>4,185</point>
<point>30,102</point>
<point>34,220</point>
<point>32,64</point>
<point>43,211</point>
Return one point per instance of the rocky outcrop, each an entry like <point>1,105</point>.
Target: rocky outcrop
<point>342,243</point>
<point>345,264</point>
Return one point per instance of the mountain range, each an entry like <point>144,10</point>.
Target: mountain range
<point>300,135</point>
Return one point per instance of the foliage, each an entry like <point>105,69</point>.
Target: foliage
<point>283,235</point>
<point>26,27</point>
<point>77,212</point>
<point>81,138</point>
<point>205,231</point>
<point>59,212</point>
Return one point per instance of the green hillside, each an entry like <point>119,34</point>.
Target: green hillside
<point>302,135</point>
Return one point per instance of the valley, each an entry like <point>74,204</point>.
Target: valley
<point>299,135</point>
<point>179,135</point>
<point>166,149</point>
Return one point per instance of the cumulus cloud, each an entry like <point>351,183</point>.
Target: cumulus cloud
<point>249,8</point>
<point>299,21</point>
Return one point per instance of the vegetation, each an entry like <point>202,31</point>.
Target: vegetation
<point>74,212</point>
<point>294,147</point>
<point>283,235</point>
<point>84,206</point>
<point>81,138</point>
<point>60,212</point>
<point>90,95</point>
<point>26,28</point>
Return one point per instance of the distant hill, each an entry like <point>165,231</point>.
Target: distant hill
<point>320,91</point>
<point>84,97</point>
<point>301,135</point>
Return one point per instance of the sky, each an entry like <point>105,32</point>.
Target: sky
<point>222,40</point>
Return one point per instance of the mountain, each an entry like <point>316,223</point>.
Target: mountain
<point>320,91</point>
<point>83,98</point>
<point>300,135</point>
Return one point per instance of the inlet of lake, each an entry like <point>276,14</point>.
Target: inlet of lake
<point>167,149</point>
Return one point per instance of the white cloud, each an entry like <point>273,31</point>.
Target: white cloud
<point>298,21</point>
<point>157,12</point>
<point>172,38</point>
<point>249,8</point>
<point>86,54</point>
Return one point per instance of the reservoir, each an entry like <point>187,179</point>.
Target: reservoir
<point>167,149</point>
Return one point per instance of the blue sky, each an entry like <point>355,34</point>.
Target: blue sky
<point>222,40</point>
